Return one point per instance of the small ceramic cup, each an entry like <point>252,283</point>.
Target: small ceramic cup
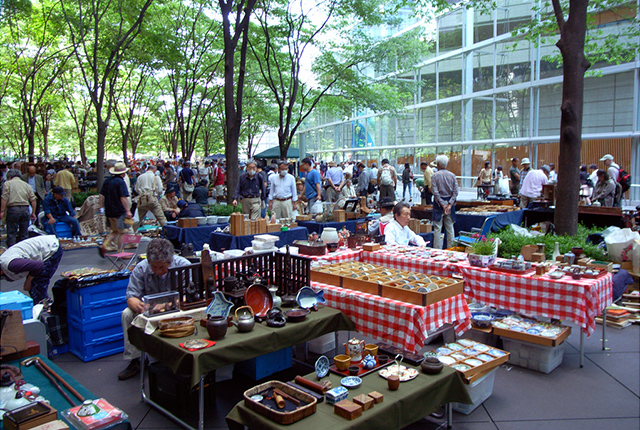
<point>382,359</point>
<point>371,349</point>
<point>353,370</point>
<point>342,361</point>
<point>393,382</point>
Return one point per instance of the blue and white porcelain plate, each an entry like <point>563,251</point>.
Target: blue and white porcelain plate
<point>219,306</point>
<point>322,366</point>
<point>351,382</point>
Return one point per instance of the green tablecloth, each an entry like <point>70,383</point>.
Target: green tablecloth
<point>413,401</point>
<point>237,346</point>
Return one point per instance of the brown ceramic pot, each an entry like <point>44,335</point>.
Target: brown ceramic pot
<point>393,382</point>
<point>217,327</point>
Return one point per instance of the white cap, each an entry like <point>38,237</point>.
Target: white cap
<point>607,157</point>
<point>525,161</point>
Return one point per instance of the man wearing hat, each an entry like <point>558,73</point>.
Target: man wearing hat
<point>189,210</point>
<point>57,208</point>
<point>335,181</point>
<point>532,185</point>
<point>65,179</point>
<point>114,198</point>
<point>612,168</point>
<point>149,188</point>
<point>526,168</point>
<point>385,207</point>
<point>169,203</point>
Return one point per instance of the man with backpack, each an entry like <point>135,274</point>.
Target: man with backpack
<point>612,168</point>
<point>387,180</point>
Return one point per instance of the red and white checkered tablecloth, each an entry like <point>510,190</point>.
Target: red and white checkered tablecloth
<point>411,263</point>
<point>338,256</point>
<point>398,323</point>
<point>564,299</point>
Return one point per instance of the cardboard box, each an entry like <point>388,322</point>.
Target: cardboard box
<point>426,228</point>
<point>414,225</point>
<point>339,215</point>
<point>371,246</point>
<point>273,228</point>
<point>527,251</point>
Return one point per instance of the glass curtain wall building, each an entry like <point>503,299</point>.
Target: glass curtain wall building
<point>482,96</point>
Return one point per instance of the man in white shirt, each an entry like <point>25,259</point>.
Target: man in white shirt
<point>149,189</point>
<point>335,179</point>
<point>397,232</point>
<point>532,185</point>
<point>612,168</point>
<point>283,194</point>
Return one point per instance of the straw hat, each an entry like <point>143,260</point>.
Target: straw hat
<point>119,168</point>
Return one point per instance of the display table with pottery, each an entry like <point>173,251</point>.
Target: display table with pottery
<point>236,346</point>
<point>414,400</point>
<point>220,241</point>
<point>318,227</point>
<point>196,235</point>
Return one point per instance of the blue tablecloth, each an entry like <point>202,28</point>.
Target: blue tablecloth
<point>464,222</point>
<point>318,227</point>
<point>196,235</point>
<point>220,241</point>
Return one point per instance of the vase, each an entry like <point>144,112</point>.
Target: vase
<point>556,252</point>
<point>330,235</point>
<point>481,260</point>
<point>277,301</point>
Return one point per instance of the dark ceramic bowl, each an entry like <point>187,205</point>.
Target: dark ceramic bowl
<point>382,359</point>
<point>296,315</point>
<point>353,370</point>
<point>332,247</point>
<point>431,366</point>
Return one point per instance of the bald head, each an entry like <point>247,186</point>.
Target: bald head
<point>32,171</point>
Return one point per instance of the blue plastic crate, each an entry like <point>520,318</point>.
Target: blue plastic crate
<point>54,351</point>
<point>95,340</point>
<point>17,301</point>
<point>95,302</point>
<point>63,230</point>
<point>265,365</point>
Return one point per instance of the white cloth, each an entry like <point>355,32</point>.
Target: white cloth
<point>38,248</point>
<point>282,188</point>
<point>533,182</point>
<point>394,234</point>
<point>149,183</point>
<point>150,324</point>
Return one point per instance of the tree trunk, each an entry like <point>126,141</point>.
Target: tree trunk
<point>571,45</point>
<point>102,137</point>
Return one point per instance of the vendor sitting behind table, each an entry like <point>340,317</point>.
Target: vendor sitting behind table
<point>397,231</point>
<point>57,208</point>
<point>201,193</point>
<point>169,204</point>
<point>150,276</point>
<point>385,206</point>
<point>189,210</point>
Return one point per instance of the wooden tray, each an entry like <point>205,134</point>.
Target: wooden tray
<point>291,413</point>
<point>422,299</point>
<point>484,367</point>
<point>362,372</point>
<point>497,268</point>
<point>533,338</point>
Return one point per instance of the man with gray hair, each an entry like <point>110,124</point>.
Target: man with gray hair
<point>150,276</point>
<point>16,197</point>
<point>444,188</point>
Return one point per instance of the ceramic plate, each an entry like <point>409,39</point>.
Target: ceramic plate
<point>533,331</point>
<point>259,298</point>
<point>458,356</point>
<point>466,342</point>
<point>496,352</point>
<point>470,351</point>
<point>444,351</point>
<point>447,360</point>
<point>455,346</point>
<point>473,362</point>
<point>351,382</point>
<point>480,347</point>
<point>461,367</point>
<point>405,373</point>
<point>219,306</point>
<point>322,366</point>
<point>517,329</point>
<point>484,357</point>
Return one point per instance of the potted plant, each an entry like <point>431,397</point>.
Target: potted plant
<point>483,252</point>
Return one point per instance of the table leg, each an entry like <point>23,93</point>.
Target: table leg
<point>449,412</point>
<point>581,348</point>
<point>143,358</point>
<point>604,329</point>
<point>201,404</point>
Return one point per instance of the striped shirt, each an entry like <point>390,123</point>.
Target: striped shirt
<point>444,186</point>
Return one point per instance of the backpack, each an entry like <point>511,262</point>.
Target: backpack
<point>406,175</point>
<point>624,179</point>
<point>385,176</point>
<point>617,197</point>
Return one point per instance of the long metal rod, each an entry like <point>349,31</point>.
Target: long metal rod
<point>604,329</point>
<point>581,348</point>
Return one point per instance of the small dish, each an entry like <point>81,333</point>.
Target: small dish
<point>455,346</point>
<point>496,353</point>
<point>445,359</point>
<point>466,342</point>
<point>461,367</point>
<point>517,328</point>
<point>458,356</point>
<point>351,382</point>
<point>481,347</point>
<point>473,362</point>
<point>322,366</point>
<point>470,351</point>
<point>533,331</point>
<point>444,351</point>
<point>484,357</point>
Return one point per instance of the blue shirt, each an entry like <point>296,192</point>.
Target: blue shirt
<point>187,175</point>
<point>313,178</point>
<point>57,208</point>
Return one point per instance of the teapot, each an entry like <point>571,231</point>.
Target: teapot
<point>246,321</point>
<point>354,348</point>
<point>369,362</point>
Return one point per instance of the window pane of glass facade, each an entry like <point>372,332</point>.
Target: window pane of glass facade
<point>428,80</point>
<point>450,77</point>
<point>513,114</point>
<point>513,63</point>
<point>483,69</point>
<point>450,32</point>
<point>482,119</point>
<point>483,27</point>
<point>428,124</point>
<point>449,122</point>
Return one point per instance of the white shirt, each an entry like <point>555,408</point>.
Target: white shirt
<point>38,248</point>
<point>149,183</point>
<point>394,234</point>
<point>282,188</point>
<point>533,182</point>
<point>594,177</point>
<point>553,177</point>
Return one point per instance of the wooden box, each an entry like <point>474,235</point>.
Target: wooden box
<point>377,397</point>
<point>414,225</point>
<point>29,423</point>
<point>371,246</point>
<point>187,222</point>
<point>303,218</point>
<point>326,277</point>
<point>347,409</point>
<point>363,400</point>
<point>426,228</point>
<point>352,215</point>
<point>339,215</point>
<point>293,225</point>
<point>246,230</point>
<point>538,257</point>
<point>262,226</point>
<point>527,251</point>
<point>236,222</point>
<point>606,265</point>
<point>273,228</point>
<point>422,299</point>
<point>358,284</point>
<point>532,338</point>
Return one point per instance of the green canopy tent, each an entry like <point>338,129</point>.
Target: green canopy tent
<point>275,153</point>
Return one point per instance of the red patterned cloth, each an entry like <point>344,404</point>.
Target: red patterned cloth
<point>337,257</point>
<point>410,263</point>
<point>564,299</point>
<point>398,323</point>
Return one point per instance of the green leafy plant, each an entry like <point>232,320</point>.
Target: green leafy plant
<point>483,246</point>
<point>79,198</point>
<point>221,210</point>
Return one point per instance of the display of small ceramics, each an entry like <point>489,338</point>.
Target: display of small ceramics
<point>473,362</point>
<point>458,356</point>
<point>351,382</point>
<point>307,298</point>
<point>296,315</point>
<point>517,328</point>
<point>219,306</point>
<point>322,367</point>
<point>469,351</point>
<point>259,298</point>
<point>461,367</point>
<point>445,359</point>
<point>482,320</point>
<point>444,351</point>
<point>404,373</point>
<point>354,348</point>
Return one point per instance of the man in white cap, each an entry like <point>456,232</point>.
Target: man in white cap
<point>532,185</point>
<point>526,168</point>
<point>114,199</point>
<point>612,168</point>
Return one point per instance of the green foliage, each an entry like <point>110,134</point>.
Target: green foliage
<point>221,210</point>
<point>79,198</point>
<point>512,243</point>
<point>484,246</point>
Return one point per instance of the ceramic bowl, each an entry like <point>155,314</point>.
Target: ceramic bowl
<point>351,382</point>
<point>342,361</point>
<point>259,298</point>
<point>202,220</point>
<point>353,370</point>
<point>212,219</point>
<point>482,320</point>
<point>382,359</point>
<point>223,219</point>
<point>297,315</point>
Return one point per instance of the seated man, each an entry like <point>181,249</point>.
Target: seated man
<point>189,210</point>
<point>385,206</point>
<point>201,193</point>
<point>150,276</point>
<point>398,232</point>
<point>169,204</point>
<point>57,208</point>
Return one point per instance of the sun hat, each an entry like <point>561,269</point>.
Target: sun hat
<point>607,157</point>
<point>525,160</point>
<point>119,168</point>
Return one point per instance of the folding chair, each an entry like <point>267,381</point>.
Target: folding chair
<point>467,238</point>
<point>123,259</point>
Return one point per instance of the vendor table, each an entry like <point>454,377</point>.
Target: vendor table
<point>318,227</point>
<point>233,348</point>
<point>33,376</point>
<point>338,256</point>
<point>589,219</point>
<point>399,323</point>
<point>220,241</point>
<point>196,235</point>
<point>413,401</point>
<point>465,221</point>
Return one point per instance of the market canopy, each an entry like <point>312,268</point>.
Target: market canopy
<point>275,153</point>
